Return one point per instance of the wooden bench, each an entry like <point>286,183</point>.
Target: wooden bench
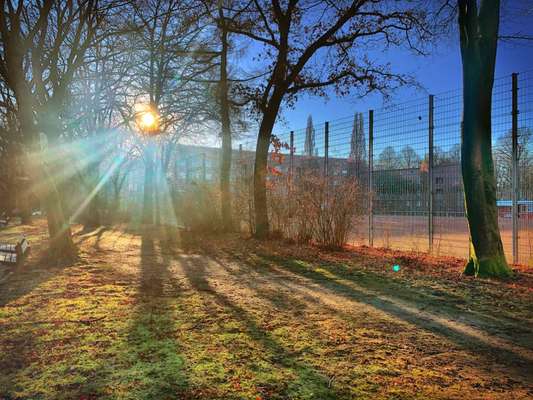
<point>14,253</point>
<point>4,220</point>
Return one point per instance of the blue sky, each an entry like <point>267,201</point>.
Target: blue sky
<point>436,73</point>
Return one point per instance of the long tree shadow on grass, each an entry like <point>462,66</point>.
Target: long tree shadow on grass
<point>150,365</point>
<point>307,381</point>
<point>383,296</point>
<point>405,303</point>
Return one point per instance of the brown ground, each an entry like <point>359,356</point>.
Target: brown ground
<point>147,315</point>
<point>450,236</point>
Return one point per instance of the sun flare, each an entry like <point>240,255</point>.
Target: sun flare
<point>147,119</point>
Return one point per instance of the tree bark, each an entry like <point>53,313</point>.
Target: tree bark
<point>260,168</point>
<point>30,139</point>
<point>61,245</point>
<point>21,182</point>
<point>478,50</point>
<point>225,165</point>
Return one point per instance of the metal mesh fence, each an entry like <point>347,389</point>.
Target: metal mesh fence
<point>406,159</point>
<point>400,148</point>
<point>525,168</point>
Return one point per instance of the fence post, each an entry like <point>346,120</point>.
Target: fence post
<point>515,188</point>
<point>430,173</point>
<point>326,148</point>
<point>291,157</point>
<point>370,183</point>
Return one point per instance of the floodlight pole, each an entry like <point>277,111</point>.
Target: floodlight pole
<point>370,173</point>
<point>515,184</point>
<point>431,128</point>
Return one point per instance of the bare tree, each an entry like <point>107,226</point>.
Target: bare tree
<point>409,157</point>
<point>167,58</point>
<point>44,44</point>
<point>503,158</point>
<point>307,46</point>
<point>388,159</point>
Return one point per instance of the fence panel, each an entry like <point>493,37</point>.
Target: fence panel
<point>525,168</point>
<point>348,158</point>
<point>415,183</point>
<point>451,229</point>
<point>400,183</point>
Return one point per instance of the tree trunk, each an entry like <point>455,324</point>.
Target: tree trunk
<point>30,141</point>
<point>260,171</point>
<point>487,257</point>
<point>61,245</point>
<point>225,165</point>
<point>148,199</point>
<point>478,51</point>
<point>116,208</point>
<point>157,200</point>
<point>21,182</point>
<point>93,215</point>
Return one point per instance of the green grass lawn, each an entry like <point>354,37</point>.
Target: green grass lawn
<point>152,315</point>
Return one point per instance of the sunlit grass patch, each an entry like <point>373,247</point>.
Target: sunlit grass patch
<point>246,321</point>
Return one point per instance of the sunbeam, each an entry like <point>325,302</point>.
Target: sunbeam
<point>103,180</point>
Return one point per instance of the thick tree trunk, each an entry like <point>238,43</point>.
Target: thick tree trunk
<point>30,140</point>
<point>478,50</point>
<point>21,182</point>
<point>148,198</point>
<point>225,165</point>
<point>260,171</point>
<point>225,172</point>
<point>24,205</point>
<point>487,256</point>
<point>61,245</point>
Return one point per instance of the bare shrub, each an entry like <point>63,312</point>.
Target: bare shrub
<point>315,209</point>
<point>242,203</point>
<point>279,212</point>
<point>197,205</point>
